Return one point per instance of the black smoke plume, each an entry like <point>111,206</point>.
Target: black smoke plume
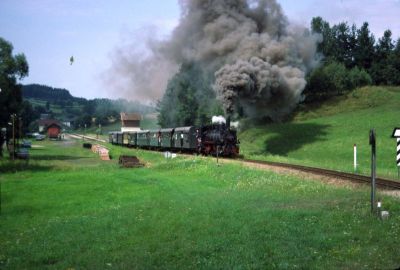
<point>252,57</point>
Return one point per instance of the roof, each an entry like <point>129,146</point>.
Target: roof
<point>166,130</point>
<point>48,122</point>
<point>131,117</point>
<point>184,129</point>
<point>53,125</point>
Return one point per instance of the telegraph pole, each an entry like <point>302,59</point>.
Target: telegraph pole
<point>20,130</point>
<point>13,134</point>
<point>372,142</point>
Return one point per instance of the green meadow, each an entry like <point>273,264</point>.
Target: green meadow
<point>66,209</point>
<point>323,135</point>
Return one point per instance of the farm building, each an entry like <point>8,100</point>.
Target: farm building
<point>51,127</point>
<point>44,123</point>
<point>53,131</point>
<point>130,122</point>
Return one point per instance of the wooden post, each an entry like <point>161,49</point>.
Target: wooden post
<point>20,130</point>
<point>372,142</point>
<point>13,134</point>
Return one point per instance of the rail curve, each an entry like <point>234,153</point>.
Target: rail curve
<point>381,182</point>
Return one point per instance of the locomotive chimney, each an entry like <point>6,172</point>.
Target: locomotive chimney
<point>228,121</point>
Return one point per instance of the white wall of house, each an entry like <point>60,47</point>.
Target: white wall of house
<point>130,129</point>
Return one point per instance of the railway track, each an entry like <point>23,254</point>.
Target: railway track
<point>78,136</point>
<point>381,182</point>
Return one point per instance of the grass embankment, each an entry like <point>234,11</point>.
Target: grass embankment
<point>67,209</point>
<point>324,135</point>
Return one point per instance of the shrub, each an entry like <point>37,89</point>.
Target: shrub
<point>359,77</point>
<point>334,79</point>
<point>320,86</point>
<point>338,74</point>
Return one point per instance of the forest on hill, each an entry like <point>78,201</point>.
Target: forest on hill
<point>60,104</point>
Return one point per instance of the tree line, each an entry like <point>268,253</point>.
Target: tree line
<point>48,93</point>
<point>351,57</point>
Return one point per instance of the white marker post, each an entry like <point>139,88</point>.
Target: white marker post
<point>355,157</point>
<point>396,134</point>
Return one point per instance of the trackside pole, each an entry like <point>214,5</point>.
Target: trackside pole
<point>396,135</point>
<point>355,157</point>
<point>372,142</point>
<point>398,158</point>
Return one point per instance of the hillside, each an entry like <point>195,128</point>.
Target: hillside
<point>61,105</point>
<point>323,135</point>
<point>43,92</point>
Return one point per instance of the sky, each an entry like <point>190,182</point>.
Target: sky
<point>49,32</point>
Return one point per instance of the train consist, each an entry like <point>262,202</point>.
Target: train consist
<point>213,139</point>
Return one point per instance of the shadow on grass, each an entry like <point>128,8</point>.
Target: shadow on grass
<point>56,157</point>
<point>292,136</point>
<point>19,166</point>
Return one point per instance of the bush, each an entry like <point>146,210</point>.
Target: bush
<point>320,86</point>
<point>334,79</point>
<point>338,75</point>
<point>359,77</point>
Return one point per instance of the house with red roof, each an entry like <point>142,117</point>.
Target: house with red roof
<point>51,127</point>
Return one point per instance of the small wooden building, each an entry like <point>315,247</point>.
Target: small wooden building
<point>53,131</point>
<point>51,127</point>
<point>130,122</point>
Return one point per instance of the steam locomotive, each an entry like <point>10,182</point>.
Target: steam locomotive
<point>215,139</point>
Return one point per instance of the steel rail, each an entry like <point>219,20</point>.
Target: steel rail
<point>382,182</point>
<point>79,136</point>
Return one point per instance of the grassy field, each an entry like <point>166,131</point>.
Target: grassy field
<point>66,209</point>
<point>324,135</point>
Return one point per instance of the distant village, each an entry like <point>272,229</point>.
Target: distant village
<point>53,128</point>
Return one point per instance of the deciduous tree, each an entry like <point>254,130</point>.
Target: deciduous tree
<point>13,68</point>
